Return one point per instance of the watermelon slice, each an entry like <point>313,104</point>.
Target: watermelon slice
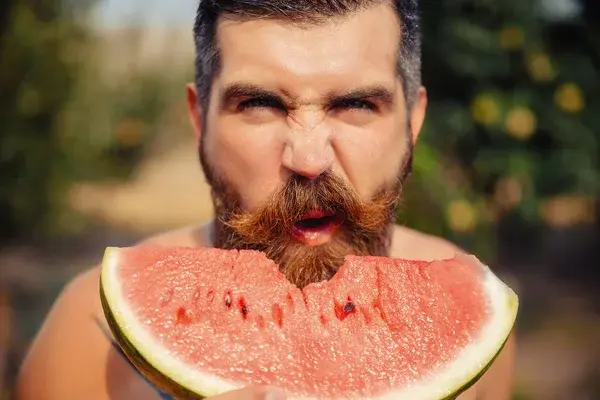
<point>198,322</point>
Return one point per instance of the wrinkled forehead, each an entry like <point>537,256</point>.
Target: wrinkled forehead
<point>359,48</point>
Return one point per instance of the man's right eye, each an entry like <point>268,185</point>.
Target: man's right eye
<point>260,102</point>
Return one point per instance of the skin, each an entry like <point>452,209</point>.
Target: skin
<point>72,358</point>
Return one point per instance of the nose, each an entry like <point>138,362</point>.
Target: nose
<point>309,154</point>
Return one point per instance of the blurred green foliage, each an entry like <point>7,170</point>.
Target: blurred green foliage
<point>60,121</point>
<point>35,78</point>
<point>512,128</point>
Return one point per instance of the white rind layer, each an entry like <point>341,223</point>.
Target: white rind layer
<point>443,383</point>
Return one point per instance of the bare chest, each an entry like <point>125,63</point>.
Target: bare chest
<point>470,394</point>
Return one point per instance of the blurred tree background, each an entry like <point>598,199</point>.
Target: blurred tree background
<point>507,165</point>
<point>512,132</point>
<point>62,120</point>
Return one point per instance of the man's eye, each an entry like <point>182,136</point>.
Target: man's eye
<point>260,102</point>
<point>355,104</point>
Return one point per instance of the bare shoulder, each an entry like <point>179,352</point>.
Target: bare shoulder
<point>196,235</point>
<point>73,356</point>
<point>67,352</point>
<point>412,244</point>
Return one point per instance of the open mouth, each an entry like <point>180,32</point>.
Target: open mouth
<point>317,226</point>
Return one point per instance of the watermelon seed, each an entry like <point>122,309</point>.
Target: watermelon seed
<point>349,307</point>
<point>277,314</point>
<point>183,316</point>
<point>228,299</point>
<point>342,311</point>
<point>243,307</point>
<point>304,298</point>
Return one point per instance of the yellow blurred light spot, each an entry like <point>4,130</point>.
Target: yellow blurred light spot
<point>569,98</point>
<point>129,132</point>
<point>540,67</point>
<point>508,193</point>
<point>511,38</point>
<point>520,123</point>
<point>566,211</point>
<point>461,216</point>
<point>485,110</point>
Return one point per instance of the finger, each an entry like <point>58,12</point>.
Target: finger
<point>252,393</point>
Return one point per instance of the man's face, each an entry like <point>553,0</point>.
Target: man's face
<point>305,138</point>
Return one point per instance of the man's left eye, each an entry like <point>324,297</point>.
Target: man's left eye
<point>356,104</point>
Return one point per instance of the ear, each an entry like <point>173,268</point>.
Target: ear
<point>194,110</point>
<point>417,114</point>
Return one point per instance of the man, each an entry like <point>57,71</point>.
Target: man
<point>306,114</point>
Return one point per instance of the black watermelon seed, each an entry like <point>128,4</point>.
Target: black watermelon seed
<point>349,307</point>
<point>243,307</point>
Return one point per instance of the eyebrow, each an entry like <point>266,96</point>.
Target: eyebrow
<point>239,90</point>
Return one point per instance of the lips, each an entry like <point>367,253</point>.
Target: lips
<point>317,226</point>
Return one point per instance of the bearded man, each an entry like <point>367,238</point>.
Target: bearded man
<point>306,113</point>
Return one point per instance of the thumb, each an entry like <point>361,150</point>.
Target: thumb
<point>252,393</point>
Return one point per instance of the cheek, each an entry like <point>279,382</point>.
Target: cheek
<point>250,158</point>
<point>371,157</point>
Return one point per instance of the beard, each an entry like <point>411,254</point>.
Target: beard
<point>365,228</point>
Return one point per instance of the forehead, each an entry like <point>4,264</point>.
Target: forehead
<point>360,48</point>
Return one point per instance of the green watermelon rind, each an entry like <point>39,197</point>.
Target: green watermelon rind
<point>151,373</point>
<point>203,385</point>
<point>476,378</point>
<point>141,356</point>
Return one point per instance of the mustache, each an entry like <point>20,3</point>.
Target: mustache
<point>300,195</point>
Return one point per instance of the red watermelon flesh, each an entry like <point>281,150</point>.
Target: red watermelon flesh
<point>379,323</point>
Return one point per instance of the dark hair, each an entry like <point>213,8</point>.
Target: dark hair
<point>304,11</point>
